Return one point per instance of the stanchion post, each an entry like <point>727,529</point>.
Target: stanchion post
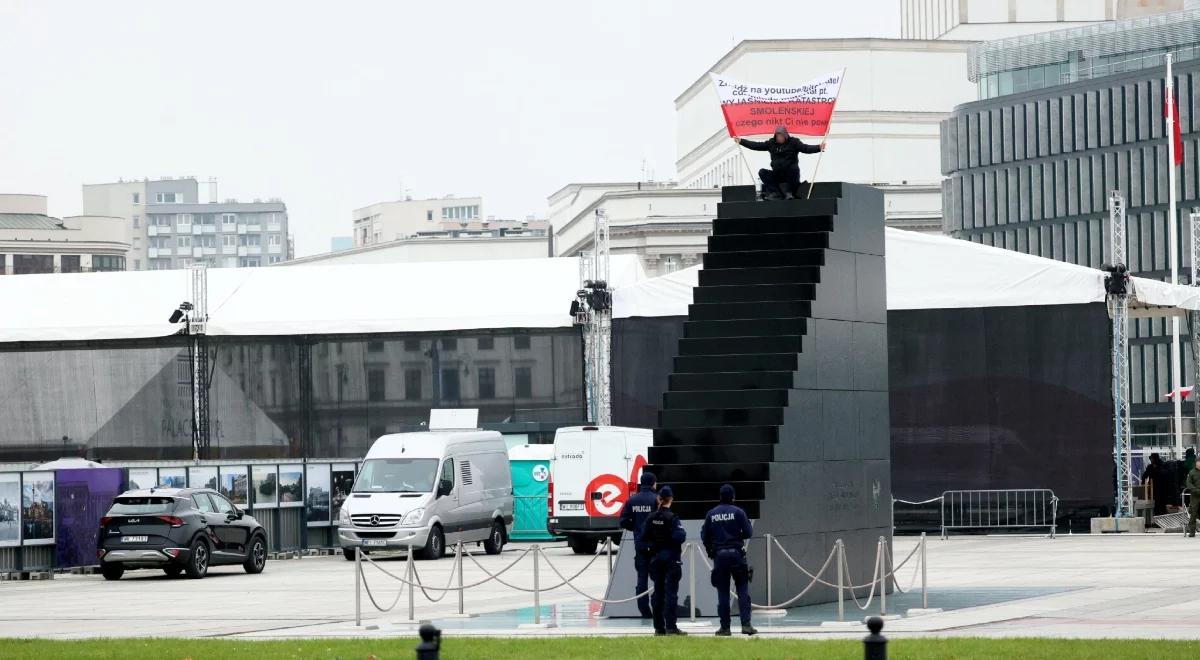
<point>608,551</point>
<point>841,562</point>
<point>881,558</point>
<point>924,584</point>
<point>692,582</point>
<point>770,578</point>
<point>357,586</point>
<point>537,593</point>
<point>458,558</point>
<point>412,589</point>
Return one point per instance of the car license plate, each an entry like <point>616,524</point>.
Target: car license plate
<point>134,539</point>
<point>370,542</point>
<point>571,506</point>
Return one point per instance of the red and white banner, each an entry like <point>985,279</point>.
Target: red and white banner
<point>803,109</point>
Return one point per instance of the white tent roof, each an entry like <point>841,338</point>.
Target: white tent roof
<point>924,272</point>
<point>937,272</point>
<point>343,299</point>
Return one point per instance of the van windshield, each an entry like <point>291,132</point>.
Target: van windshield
<point>396,475</point>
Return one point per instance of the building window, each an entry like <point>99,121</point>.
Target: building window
<point>249,262</point>
<point>429,216</point>
<point>450,344</point>
<point>137,221</point>
<point>274,260</point>
<point>183,219</point>
<point>229,240</point>
<point>137,264</point>
<point>162,220</point>
<point>412,345</point>
<point>228,220</point>
<point>450,390</point>
<point>274,239</point>
<point>521,342</point>
<point>412,384</point>
<point>252,240</point>
<point>183,241</point>
<point>137,241</point>
<point>69,263</point>
<point>103,262</point>
<point>487,343</point>
<point>137,199</point>
<point>374,347</point>
<point>487,383</point>
<point>166,198</point>
<point>376,385</point>
<point>523,382</point>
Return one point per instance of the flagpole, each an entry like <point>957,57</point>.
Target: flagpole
<point>745,162</point>
<point>1173,229</point>
<point>825,137</point>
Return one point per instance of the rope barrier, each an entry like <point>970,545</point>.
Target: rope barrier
<point>567,582</point>
<point>372,597</point>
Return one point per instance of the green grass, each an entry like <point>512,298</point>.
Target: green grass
<point>626,648</point>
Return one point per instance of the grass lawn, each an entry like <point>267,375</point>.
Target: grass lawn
<point>628,648</point>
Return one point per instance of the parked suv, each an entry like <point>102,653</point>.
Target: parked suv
<point>178,530</point>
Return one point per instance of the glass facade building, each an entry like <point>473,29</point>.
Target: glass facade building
<point>1031,171</point>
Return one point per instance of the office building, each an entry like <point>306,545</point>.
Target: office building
<point>1029,166</point>
<point>31,241</point>
<point>986,20</point>
<point>389,221</point>
<point>172,228</point>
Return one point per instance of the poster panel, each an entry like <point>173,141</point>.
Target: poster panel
<point>202,477</point>
<point>264,481</point>
<point>141,478</point>
<point>37,508</point>
<point>317,479</point>
<point>10,509</point>
<point>291,485</point>
<point>235,485</point>
<point>343,481</point>
<point>172,477</point>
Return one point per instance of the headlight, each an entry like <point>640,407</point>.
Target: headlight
<point>413,517</point>
<point>344,516</point>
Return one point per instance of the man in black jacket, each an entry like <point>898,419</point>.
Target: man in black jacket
<point>782,181</point>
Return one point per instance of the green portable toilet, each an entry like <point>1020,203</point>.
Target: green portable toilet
<point>530,466</point>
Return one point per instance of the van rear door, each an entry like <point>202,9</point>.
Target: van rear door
<point>571,472</point>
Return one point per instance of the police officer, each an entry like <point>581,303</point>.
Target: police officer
<point>637,509</point>
<point>724,533</point>
<point>1192,486</point>
<point>663,536</point>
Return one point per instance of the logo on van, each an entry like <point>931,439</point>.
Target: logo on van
<point>540,472</point>
<point>577,456</point>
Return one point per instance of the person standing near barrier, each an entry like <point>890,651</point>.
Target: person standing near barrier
<point>724,533</point>
<point>663,536</point>
<point>637,509</point>
<point>1192,486</point>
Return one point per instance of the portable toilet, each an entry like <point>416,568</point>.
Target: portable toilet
<point>530,466</point>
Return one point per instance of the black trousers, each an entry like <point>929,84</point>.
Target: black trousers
<point>777,182</point>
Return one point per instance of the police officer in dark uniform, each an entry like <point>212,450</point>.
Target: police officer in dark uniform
<point>637,509</point>
<point>663,536</point>
<point>724,534</point>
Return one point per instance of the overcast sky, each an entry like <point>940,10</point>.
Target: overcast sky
<point>335,105</point>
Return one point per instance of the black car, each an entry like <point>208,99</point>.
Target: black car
<point>178,530</point>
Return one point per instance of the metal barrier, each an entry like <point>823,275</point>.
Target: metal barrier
<point>999,509</point>
<point>880,579</point>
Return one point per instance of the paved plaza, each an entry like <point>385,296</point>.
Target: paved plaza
<point>996,586</point>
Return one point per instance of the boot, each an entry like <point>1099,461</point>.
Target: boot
<point>724,632</point>
<point>787,191</point>
<point>748,629</point>
<point>772,196</point>
<point>676,631</point>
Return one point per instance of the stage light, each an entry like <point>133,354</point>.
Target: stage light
<point>175,316</point>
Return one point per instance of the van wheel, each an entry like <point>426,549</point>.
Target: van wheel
<point>495,540</point>
<point>583,545</point>
<point>435,546</point>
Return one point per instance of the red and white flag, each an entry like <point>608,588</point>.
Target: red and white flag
<point>803,109</point>
<point>1183,392</point>
<point>1171,111</point>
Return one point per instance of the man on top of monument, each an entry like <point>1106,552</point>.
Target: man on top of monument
<point>782,181</point>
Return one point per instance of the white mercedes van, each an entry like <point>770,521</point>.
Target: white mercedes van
<point>427,490</point>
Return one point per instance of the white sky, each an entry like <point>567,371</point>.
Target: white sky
<point>336,105</point>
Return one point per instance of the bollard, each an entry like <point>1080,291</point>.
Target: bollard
<point>874,644</point>
<point>357,586</point>
<point>458,558</point>
<point>841,562</point>
<point>882,559</point>
<point>412,590</point>
<point>770,581</point>
<point>537,593</point>
<point>431,642</point>
<point>692,581</point>
<point>924,585</point>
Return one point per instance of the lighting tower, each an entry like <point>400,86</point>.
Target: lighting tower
<point>592,309</point>
<point>1116,284</point>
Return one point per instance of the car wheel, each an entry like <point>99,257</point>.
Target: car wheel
<point>256,558</point>
<point>348,553</point>
<point>197,564</point>
<point>495,540</point>
<point>435,546</point>
<point>583,545</point>
<point>173,571</point>
<point>112,571</point>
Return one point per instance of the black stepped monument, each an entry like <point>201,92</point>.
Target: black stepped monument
<point>780,384</point>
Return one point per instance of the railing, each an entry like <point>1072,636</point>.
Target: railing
<point>999,509</point>
<point>881,578</point>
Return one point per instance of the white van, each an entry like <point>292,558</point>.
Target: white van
<point>593,471</point>
<point>427,490</point>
